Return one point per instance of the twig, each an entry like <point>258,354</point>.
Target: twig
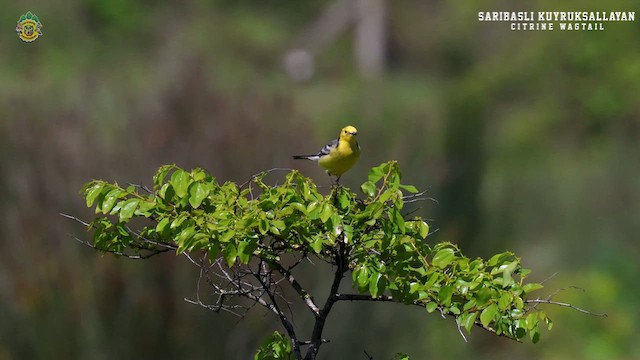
<point>308,342</point>
<point>263,172</point>
<point>143,187</point>
<point>308,299</point>
<point>460,330</point>
<point>549,278</point>
<point>412,211</point>
<point>76,219</point>
<point>551,302</point>
<point>118,253</point>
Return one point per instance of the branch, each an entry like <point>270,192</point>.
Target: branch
<point>548,300</point>
<point>308,342</point>
<point>76,219</point>
<point>263,172</point>
<point>365,297</point>
<point>152,252</point>
<point>143,187</point>
<point>316,335</point>
<point>460,330</point>
<point>288,326</point>
<point>118,253</point>
<point>418,197</point>
<point>308,299</point>
<point>389,298</point>
<point>551,302</point>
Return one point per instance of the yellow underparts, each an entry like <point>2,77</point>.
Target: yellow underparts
<point>341,158</point>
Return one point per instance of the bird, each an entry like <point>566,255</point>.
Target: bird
<point>339,155</point>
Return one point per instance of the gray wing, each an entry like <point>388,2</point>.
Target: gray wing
<point>327,148</point>
<point>325,151</point>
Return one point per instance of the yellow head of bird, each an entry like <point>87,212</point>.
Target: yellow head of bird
<point>348,132</point>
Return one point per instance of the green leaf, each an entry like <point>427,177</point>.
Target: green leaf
<point>327,212</point>
<point>410,188</point>
<point>386,195</point>
<point>535,335</point>
<point>243,253</point>
<point>91,194</point>
<point>144,208</point>
<point>469,304</point>
<point>368,188</point>
<point>230,254</point>
<point>197,192</point>
<point>373,284</point>
<point>178,221</point>
<point>299,207</point>
<point>180,181</point>
<point>467,320</point>
<point>344,199</point>
<point>127,209</point>
<point>431,306</point>
<point>227,235</point>
<point>401,356</point>
<point>263,226</point>
<point>363,276</point>
<point>163,226</point>
<point>397,219</point>
<point>443,257</point>
<point>483,295</point>
<point>276,347</point>
<point>498,258</point>
<point>444,295</point>
<point>279,224</point>
<point>198,174</point>
<point>316,244</point>
<point>530,287</point>
<point>311,210</point>
<point>488,315</point>
<point>183,239</point>
<point>110,200</point>
<point>376,173</point>
<point>423,229</point>
<point>162,172</point>
<point>507,270</point>
<point>505,301</point>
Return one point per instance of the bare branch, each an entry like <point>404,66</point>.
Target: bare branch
<point>308,298</point>
<point>364,297</point>
<point>551,302</point>
<point>308,342</point>
<point>76,219</point>
<point>460,330</point>
<point>340,258</point>
<point>143,187</point>
<point>549,278</point>
<point>254,176</point>
<point>417,197</point>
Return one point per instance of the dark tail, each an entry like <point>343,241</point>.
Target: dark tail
<point>305,157</point>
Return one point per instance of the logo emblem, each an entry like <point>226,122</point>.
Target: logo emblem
<point>29,27</point>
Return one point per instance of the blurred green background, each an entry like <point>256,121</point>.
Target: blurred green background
<point>528,140</point>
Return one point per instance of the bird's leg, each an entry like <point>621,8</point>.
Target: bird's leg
<point>337,180</point>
